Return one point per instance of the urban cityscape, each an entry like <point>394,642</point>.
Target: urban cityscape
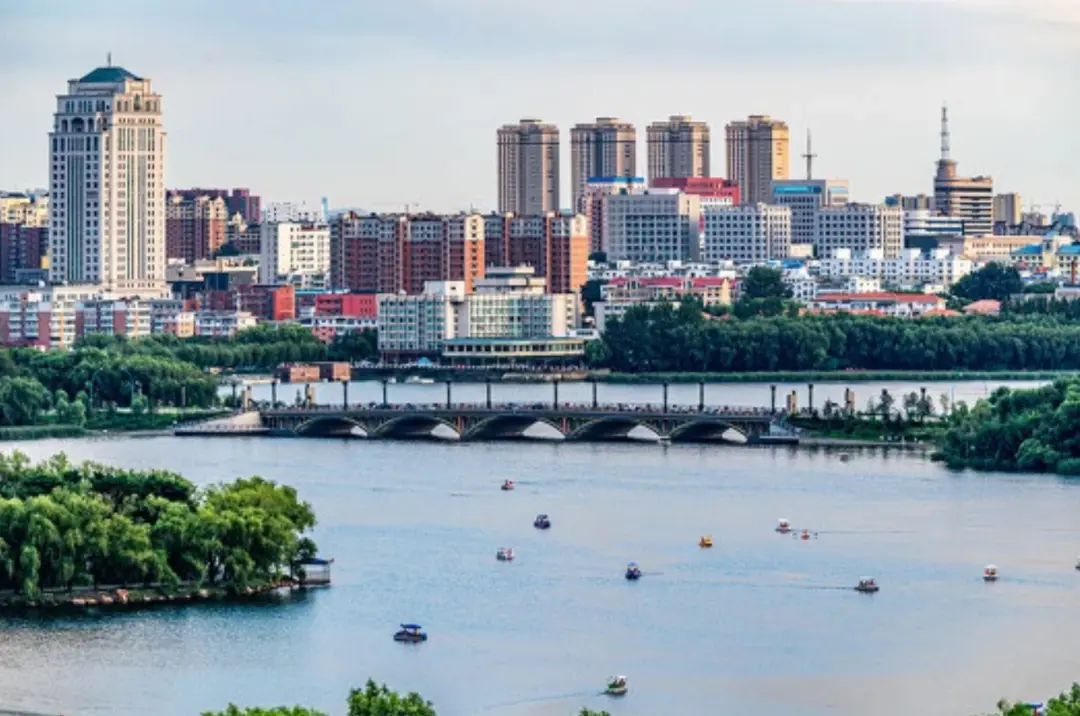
<point>109,247</point>
<point>641,360</point>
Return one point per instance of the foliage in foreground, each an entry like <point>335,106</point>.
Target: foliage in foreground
<point>64,526</point>
<point>372,700</point>
<point>1035,430</point>
<point>1066,704</point>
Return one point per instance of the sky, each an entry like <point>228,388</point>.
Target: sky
<point>382,104</point>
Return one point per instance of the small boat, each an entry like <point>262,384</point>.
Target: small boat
<point>783,526</point>
<point>990,574</point>
<point>508,485</point>
<point>410,633</point>
<point>867,586</point>
<point>505,554</point>
<point>616,686</point>
<point>391,380</point>
<point>632,571</point>
<point>542,522</point>
<point>805,534</point>
<point>705,541</point>
<point>844,457</point>
<point>1078,564</point>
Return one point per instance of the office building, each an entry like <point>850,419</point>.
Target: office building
<point>746,233</point>
<point>912,268</point>
<point>528,165</point>
<point>605,148</point>
<point>859,227</point>
<point>757,155</point>
<point>652,225</point>
<point>922,223</point>
<point>294,253</point>
<point>289,211</point>
<point>107,183</point>
<point>970,199</point>
<point>678,147</point>
<point>804,197</point>
<point>1008,209</point>
<point>592,204</point>
<point>194,226</point>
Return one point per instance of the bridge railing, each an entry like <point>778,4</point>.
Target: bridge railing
<point>727,411</point>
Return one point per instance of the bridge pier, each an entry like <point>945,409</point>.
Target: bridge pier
<point>384,400</point>
<point>273,393</point>
<point>810,397</point>
<point>488,387</point>
<point>772,390</point>
<point>449,400</point>
<point>555,399</point>
<point>345,394</point>
<point>594,403</point>
<point>701,397</point>
<point>665,397</point>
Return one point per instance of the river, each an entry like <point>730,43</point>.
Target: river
<point>761,623</point>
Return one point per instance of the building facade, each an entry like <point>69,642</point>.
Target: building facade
<point>194,226</point>
<point>294,253</point>
<point>528,166</point>
<point>746,233</point>
<point>604,148</point>
<point>652,225</point>
<point>1008,209</point>
<point>678,147</point>
<point>237,201</point>
<point>24,208</point>
<point>861,228</point>
<point>107,183</point>
<point>22,252</point>
<point>804,197</point>
<point>757,155</point>
<point>592,204</point>
<point>970,199</point>
<point>911,268</point>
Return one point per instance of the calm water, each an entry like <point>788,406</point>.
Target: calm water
<point>757,625</point>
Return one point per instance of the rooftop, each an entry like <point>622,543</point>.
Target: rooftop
<point>108,75</point>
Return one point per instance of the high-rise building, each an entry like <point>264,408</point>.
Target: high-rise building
<point>861,228</point>
<point>555,246</point>
<point>528,156</point>
<point>592,204</point>
<point>294,253</point>
<point>970,199</point>
<point>1008,209</point>
<point>652,225</point>
<point>605,148</point>
<point>757,155</point>
<point>804,197</point>
<point>748,232</point>
<point>678,148</point>
<point>107,183</point>
<point>22,252</point>
<point>194,227</point>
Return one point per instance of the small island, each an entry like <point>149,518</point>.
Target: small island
<point>87,535</point>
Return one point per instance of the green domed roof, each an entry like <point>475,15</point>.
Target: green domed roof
<point>108,75</point>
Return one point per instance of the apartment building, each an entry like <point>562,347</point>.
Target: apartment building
<point>592,204</point>
<point>30,210</point>
<point>604,148</point>
<point>555,246</point>
<point>652,225</point>
<point>804,197</point>
<point>859,227</point>
<point>911,268</point>
<point>293,252</point>
<point>757,155</point>
<point>194,226</point>
<point>528,165</point>
<point>621,294</point>
<point>678,147</point>
<point>746,233</point>
<point>22,252</point>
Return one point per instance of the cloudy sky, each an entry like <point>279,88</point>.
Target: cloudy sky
<point>376,104</point>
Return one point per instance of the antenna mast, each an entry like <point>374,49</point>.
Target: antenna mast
<point>944,132</point>
<point>809,157</point>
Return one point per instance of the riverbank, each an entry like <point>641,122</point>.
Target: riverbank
<point>103,423</point>
<point>838,376</point>
<point>120,598</point>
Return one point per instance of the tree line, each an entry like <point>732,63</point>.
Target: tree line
<point>65,526</point>
<point>683,338</point>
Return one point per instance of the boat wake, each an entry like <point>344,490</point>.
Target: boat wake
<point>544,699</point>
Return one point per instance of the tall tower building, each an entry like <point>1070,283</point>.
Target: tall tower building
<point>757,155</point>
<point>970,199</point>
<point>678,148</point>
<point>528,167</point>
<point>606,148</point>
<point>107,188</point>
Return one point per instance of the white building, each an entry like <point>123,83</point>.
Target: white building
<point>910,268</point>
<point>748,232</point>
<point>509,303</point>
<point>652,225</point>
<point>923,222</point>
<point>860,227</point>
<point>107,186</point>
<point>222,324</point>
<point>805,197</point>
<point>294,253</point>
<point>283,211</point>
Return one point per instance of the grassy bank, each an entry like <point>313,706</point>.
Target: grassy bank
<point>874,431</point>
<point>81,599</point>
<point>40,432</point>
<point>123,422</point>
<point>839,376</point>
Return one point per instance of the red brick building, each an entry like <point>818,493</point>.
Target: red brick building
<point>700,186</point>
<point>194,226</point>
<point>355,305</point>
<point>266,303</point>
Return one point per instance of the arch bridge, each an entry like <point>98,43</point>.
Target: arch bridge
<point>512,422</point>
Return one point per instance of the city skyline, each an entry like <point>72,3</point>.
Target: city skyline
<point>872,105</point>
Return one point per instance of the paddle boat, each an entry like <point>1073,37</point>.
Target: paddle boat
<point>505,554</point>
<point>783,526</point>
<point>508,485</point>
<point>705,541</point>
<point>542,522</point>
<point>633,572</point>
<point>867,586</point>
<point>616,686</point>
<point>990,574</point>
<point>410,633</point>
<point>805,535</point>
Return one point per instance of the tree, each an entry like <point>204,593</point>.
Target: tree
<point>22,400</point>
<point>764,282</point>
<point>599,257</point>
<point>592,293</point>
<point>375,700</point>
<point>1066,704</point>
<point>993,281</point>
<point>590,712</point>
<point>233,710</point>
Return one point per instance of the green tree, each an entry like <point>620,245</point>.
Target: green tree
<point>1066,704</point>
<point>277,711</point>
<point>590,712</point>
<point>375,700</point>
<point>592,293</point>
<point>22,400</point>
<point>993,281</point>
<point>764,282</point>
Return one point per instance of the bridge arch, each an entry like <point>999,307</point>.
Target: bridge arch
<point>615,427</point>
<point>414,425</point>
<point>331,426</point>
<point>508,426</point>
<point>707,430</point>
